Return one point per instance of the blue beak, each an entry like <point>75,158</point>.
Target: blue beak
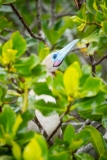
<point>63,52</point>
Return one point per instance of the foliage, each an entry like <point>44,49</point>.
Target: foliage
<point>74,87</point>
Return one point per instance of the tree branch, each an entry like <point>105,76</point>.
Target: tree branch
<point>59,125</point>
<point>76,3</point>
<point>25,24</point>
<point>93,66</point>
<point>63,15</point>
<point>104,57</point>
<point>38,15</point>
<point>53,11</point>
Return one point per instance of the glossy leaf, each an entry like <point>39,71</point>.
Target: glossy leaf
<point>43,146</point>
<point>103,156</point>
<point>7,119</point>
<point>3,90</point>
<point>104,26</point>
<point>104,121</point>
<point>84,135</point>
<point>18,43</point>
<point>83,156</point>
<point>93,37</point>
<point>3,23</point>
<point>16,150</point>
<point>8,53</point>
<point>48,107</point>
<point>69,134</point>
<point>71,79</point>
<point>8,1</point>
<point>6,157</point>
<point>90,6</point>
<point>17,124</point>
<point>91,87</point>
<point>32,150</point>
<point>41,88</point>
<point>24,66</point>
<point>96,140</point>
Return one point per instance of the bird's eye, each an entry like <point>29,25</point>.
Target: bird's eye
<point>54,56</point>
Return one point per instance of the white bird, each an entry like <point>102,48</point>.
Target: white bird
<point>52,61</point>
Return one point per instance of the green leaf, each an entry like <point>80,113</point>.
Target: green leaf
<point>104,121</point>
<point>81,139</point>
<point>24,66</point>
<point>43,50</point>
<point>83,156</point>
<point>58,152</point>
<point>18,43</point>
<point>91,87</point>
<point>104,9</point>
<point>69,134</point>
<point>93,37</point>
<point>90,6</point>
<point>83,135</point>
<point>86,72</point>
<point>7,119</point>
<point>3,23</point>
<point>99,16</point>
<point>22,139</point>
<point>104,26</point>
<point>89,107</point>
<point>96,140</point>
<point>5,157</point>
<point>3,90</point>
<point>41,88</point>
<point>51,34</point>
<point>91,102</point>
<point>103,156</point>
<point>3,75</point>
<point>59,156</point>
<point>57,83</point>
<point>46,108</point>
<point>8,1</point>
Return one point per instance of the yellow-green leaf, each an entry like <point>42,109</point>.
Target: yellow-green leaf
<point>8,54</point>
<point>16,150</point>
<point>71,79</point>
<point>17,124</point>
<point>32,151</point>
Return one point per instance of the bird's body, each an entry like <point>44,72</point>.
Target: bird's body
<point>52,61</point>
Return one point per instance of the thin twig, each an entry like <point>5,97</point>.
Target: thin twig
<point>42,130</point>
<point>25,24</point>
<point>38,15</point>
<point>25,102</point>
<point>104,57</point>
<point>59,125</point>
<point>93,66</point>
<point>93,23</point>
<point>79,4</point>
<point>63,15</point>
<point>53,11</point>
<point>3,38</point>
<point>76,3</point>
<point>87,122</point>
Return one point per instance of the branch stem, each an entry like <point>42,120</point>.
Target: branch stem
<point>25,24</point>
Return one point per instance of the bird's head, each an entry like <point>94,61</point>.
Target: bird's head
<point>53,60</point>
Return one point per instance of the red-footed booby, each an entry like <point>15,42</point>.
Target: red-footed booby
<point>52,61</point>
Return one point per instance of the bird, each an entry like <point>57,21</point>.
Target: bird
<point>52,62</point>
